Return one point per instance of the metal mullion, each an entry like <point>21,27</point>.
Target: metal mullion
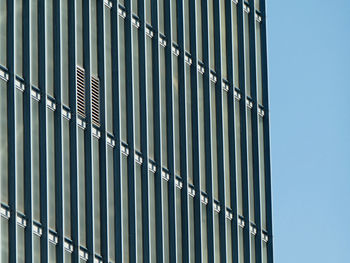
<point>11,131</point>
<point>144,132</point>
<point>183,133</point>
<point>73,130</point>
<point>232,138</point>
<point>219,130</point>
<point>89,191</point>
<point>170,131</point>
<point>43,131</point>
<point>157,133</point>
<point>207,127</point>
<point>255,134</point>
<point>27,119</point>
<point>58,132</point>
<point>243,112</point>
<point>116,130</point>
<point>130,130</point>
<point>266,133</point>
<point>103,144</point>
<point>195,132</point>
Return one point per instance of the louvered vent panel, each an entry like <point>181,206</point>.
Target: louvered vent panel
<point>95,100</point>
<point>80,80</point>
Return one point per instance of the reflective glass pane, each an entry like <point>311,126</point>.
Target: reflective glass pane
<point>250,166</point>
<point>125,209</point>
<point>199,30</point>
<point>108,71</point>
<point>178,225</point>
<point>176,115</point>
<point>3,142</point>
<point>204,234</point>
<point>93,38</point>
<point>214,150</point>
<point>97,198</point>
<point>152,214</point>
<point>20,150</point>
<point>186,5</point>
<point>64,54</point>
<point>36,249</point>
<point>3,32</point>
<point>51,168</point>
<point>247,54</point>
<point>240,245</point>
<point>49,48</point>
<point>20,245</point>
<point>262,174</point>
<point>36,160</point>
<point>226,149</point>
<point>149,79</point>
<point>34,70</point>
<point>258,63</point>
<point>82,187</point>
<point>139,243</point>
<point>19,37</point>
<point>163,108</point>
<point>211,35</point>
<point>201,132</point>
<point>235,45</point>
<point>223,39</point>
<point>191,229</point>
<point>238,158</point>
<point>111,205</point>
<point>4,240</point>
<point>188,99</point>
<point>136,67</point>
<point>165,201</point>
<point>66,178</point>
<point>122,84</point>
<point>216,237</point>
<point>79,31</point>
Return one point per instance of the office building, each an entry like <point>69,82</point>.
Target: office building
<point>134,131</point>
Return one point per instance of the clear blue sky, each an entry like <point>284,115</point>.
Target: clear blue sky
<point>309,76</point>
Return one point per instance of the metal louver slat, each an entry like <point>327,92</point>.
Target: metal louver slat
<point>80,78</point>
<point>95,100</point>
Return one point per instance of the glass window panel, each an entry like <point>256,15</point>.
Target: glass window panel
<point>250,166</point>
<point>216,237</point>
<point>125,209</point>
<point>229,241</point>
<point>66,178</point>
<point>36,249</point>
<point>52,253</point>
<point>20,245</point>
<point>122,78</point>
<point>214,149</point>
<point>240,245</point>
<point>211,35</point>
<point>258,63</point>
<point>262,173</point>
<point>204,234</point>
<point>3,142</point>
<point>163,107</point>
<point>226,149</point>
<point>82,187</point>
<point>149,77</point>
<point>64,53</point>
<point>165,197</point>
<point>135,6</point>
<point>139,243</point>
<point>247,54</point>
<point>51,168</point>
<point>149,11</point>
<point>176,115</point>
<point>186,4</point>
<point>188,94</point>
<point>264,252</point>
<point>161,16</point>
<point>19,38</point>
<point>4,239</point>
<point>199,30</point>
<point>93,38</point>
<point>201,132</point>
<point>152,216</point>
<point>136,65</point>
<point>252,248</point>
<point>67,257</point>
<point>3,32</point>
<point>257,4</point>
<point>111,205</point>
<point>108,71</point>
<point>97,198</point>
<point>36,160</point>
<point>178,224</point>
<point>238,158</point>
<point>223,39</point>
<point>20,150</point>
<point>49,48</point>
<point>34,71</point>
<point>191,229</point>
<point>235,45</point>
<point>79,32</point>
<point>174,19</point>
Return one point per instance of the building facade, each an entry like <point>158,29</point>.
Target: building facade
<point>134,131</point>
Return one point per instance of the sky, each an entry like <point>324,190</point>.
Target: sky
<point>309,85</point>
